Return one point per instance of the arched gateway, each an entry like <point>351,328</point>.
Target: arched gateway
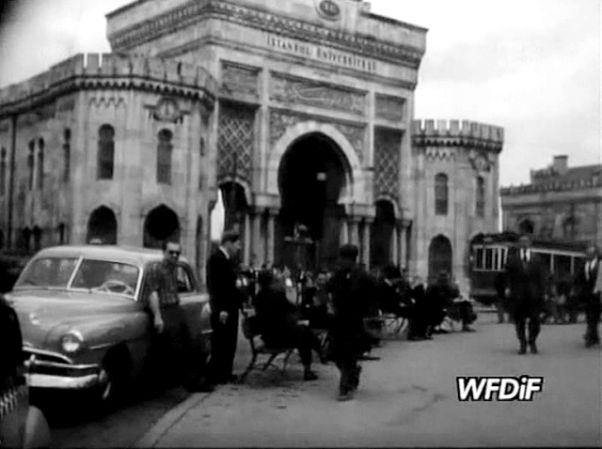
<point>313,178</point>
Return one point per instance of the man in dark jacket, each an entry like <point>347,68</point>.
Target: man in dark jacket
<point>525,287</point>
<point>349,287</point>
<point>585,283</point>
<point>226,300</point>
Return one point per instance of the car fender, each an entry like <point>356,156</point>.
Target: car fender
<point>37,431</point>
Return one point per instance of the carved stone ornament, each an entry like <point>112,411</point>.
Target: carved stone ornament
<point>280,121</point>
<point>480,162</point>
<point>167,110</point>
<point>304,91</point>
<point>328,9</point>
<point>239,79</point>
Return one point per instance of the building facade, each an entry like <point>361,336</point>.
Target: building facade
<point>304,119</point>
<point>560,203</point>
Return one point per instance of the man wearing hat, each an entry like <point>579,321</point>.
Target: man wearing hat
<point>349,287</point>
<point>226,300</point>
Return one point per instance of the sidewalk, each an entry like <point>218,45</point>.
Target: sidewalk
<point>408,398</point>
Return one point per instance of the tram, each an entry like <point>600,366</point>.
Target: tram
<point>488,254</point>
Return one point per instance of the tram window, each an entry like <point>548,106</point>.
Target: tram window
<point>578,265</point>
<point>545,260</point>
<point>489,259</point>
<point>479,259</point>
<point>562,265</point>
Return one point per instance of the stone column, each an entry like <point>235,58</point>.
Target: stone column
<point>366,243</point>
<point>403,245</point>
<point>257,249</point>
<point>247,242</point>
<point>344,232</point>
<point>354,228</point>
<point>270,235</point>
<point>395,246</point>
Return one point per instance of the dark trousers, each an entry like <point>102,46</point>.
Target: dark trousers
<point>223,346</point>
<point>348,347</point>
<point>592,318</point>
<point>175,348</point>
<point>520,322</point>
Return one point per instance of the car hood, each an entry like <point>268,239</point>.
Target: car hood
<point>47,313</point>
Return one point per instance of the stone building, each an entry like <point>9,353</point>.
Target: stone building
<point>560,203</point>
<point>308,132</point>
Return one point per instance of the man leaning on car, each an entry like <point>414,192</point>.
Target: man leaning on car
<point>169,320</point>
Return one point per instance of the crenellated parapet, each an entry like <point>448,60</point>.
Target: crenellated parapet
<point>456,133</point>
<point>553,186</point>
<point>110,71</point>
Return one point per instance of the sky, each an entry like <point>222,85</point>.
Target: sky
<point>529,66</point>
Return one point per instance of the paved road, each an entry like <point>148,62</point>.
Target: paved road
<point>408,398</point>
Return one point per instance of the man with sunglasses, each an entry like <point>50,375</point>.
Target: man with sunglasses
<point>169,321</point>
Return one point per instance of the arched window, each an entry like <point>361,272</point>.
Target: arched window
<point>480,206</point>
<point>40,164</point>
<point>164,149</point>
<point>440,257</point>
<point>2,171</point>
<point>441,194</point>
<point>526,227</point>
<point>31,162</point>
<point>161,224</point>
<point>106,152</point>
<point>66,154</point>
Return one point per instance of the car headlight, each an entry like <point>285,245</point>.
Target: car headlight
<point>72,342</point>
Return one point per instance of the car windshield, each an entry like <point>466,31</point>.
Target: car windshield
<point>48,272</point>
<point>106,276</point>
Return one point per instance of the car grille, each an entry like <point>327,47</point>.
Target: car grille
<point>38,361</point>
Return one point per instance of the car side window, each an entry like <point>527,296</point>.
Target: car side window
<point>185,279</point>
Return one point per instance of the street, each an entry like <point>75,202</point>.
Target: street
<point>408,398</point>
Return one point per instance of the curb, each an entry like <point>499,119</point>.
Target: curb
<point>171,418</point>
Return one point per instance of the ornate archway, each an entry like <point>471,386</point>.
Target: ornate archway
<point>313,176</point>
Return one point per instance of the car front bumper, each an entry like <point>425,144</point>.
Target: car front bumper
<point>63,382</point>
<point>45,369</point>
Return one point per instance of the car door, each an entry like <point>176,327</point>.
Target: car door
<point>194,303</point>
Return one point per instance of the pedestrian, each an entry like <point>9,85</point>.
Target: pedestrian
<point>525,288</point>
<point>169,321</point>
<point>226,300</point>
<point>277,322</point>
<point>349,288</point>
<point>440,296</point>
<point>585,283</point>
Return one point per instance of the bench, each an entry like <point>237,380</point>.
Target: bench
<point>259,349</point>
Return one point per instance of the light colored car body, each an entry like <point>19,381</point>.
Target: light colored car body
<point>98,323</point>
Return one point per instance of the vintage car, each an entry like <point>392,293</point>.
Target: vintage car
<point>21,424</point>
<point>84,319</point>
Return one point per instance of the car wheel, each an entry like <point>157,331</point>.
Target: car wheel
<point>113,380</point>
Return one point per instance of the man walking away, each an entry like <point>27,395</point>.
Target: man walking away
<point>349,287</point>
<point>525,277</point>
<point>226,300</point>
<point>585,285</point>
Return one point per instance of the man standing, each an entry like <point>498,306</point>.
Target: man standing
<point>226,300</point>
<point>349,288</point>
<point>525,278</point>
<point>585,284</point>
<point>169,320</point>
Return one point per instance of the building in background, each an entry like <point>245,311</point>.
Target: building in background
<point>561,203</point>
<point>301,113</point>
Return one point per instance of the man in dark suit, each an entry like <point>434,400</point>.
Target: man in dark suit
<point>349,287</point>
<point>525,288</point>
<point>585,284</point>
<point>226,300</point>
